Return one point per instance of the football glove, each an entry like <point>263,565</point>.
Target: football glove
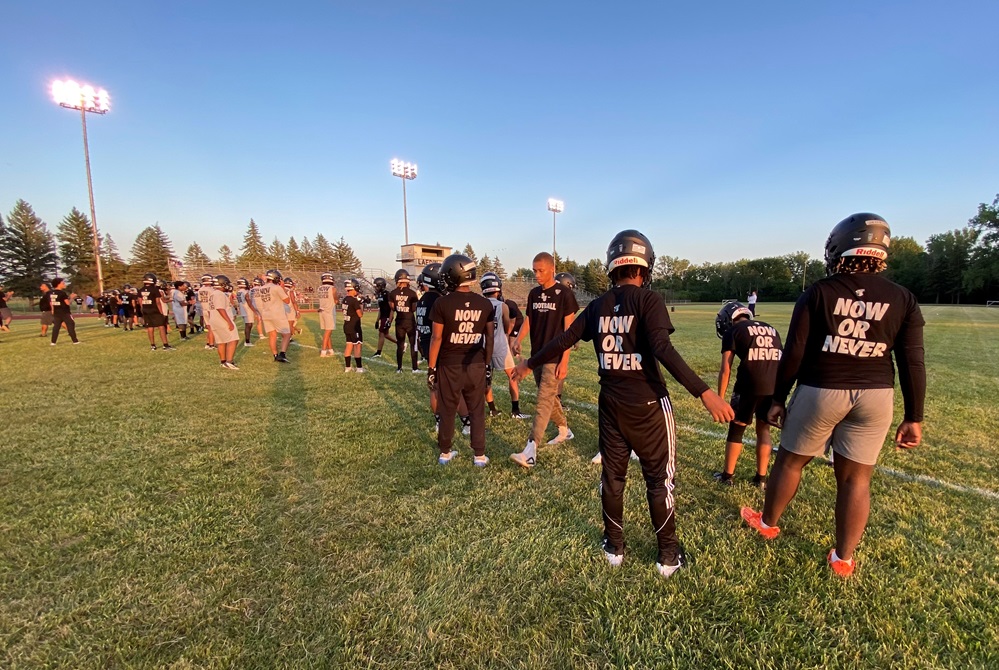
<point>489,374</point>
<point>431,378</point>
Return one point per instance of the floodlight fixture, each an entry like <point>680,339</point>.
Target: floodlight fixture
<point>555,207</point>
<point>404,171</point>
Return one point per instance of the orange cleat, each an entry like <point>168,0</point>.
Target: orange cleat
<point>840,567</point>
<point>755,521</point>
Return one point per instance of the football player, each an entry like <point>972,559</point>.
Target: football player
<point>352,313</point>
<point>291,307</point>
<point>222,324</point>
<point>844,332</point>
<point>271,300</point>
<point>630,328</point>
<point>402,303</point>
<point>246,311</point>
<point>384,315</point>
<point>551,309</point>
<point>327,312</point>
<point>203,298</point>
<point>461,348</point>
<point>758,346</point>
<point>178,304</point>
<point>258,319</point>
<point>45,307</point>
<point>61,312</point>
<point>151,300</point>
<point>502,359</point>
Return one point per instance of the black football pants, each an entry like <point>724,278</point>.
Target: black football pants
<point>469,382</point>
<point>58,321</point>
<point>402,334</point>
<point>647,428</point>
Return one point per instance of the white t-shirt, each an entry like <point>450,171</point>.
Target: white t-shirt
<point>269,299</point>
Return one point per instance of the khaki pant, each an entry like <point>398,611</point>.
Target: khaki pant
<point>548,406</point>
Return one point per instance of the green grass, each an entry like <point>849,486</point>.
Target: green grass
<point>158,511</point>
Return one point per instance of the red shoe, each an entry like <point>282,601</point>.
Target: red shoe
<point>840,567</point>
<point>755,521</point>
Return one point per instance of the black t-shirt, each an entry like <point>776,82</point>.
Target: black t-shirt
<point>405,306</point>
<point>3,302</point>
<point>148,296</point>
<point>351,306</point>
<point>423,328</point>
<point>546,310</point>
<point>60,301</point>
<point>758,347</point>
<point>516,315</point>
<point>384,310</point>
<point>843,333</point>
<point>630,328</point>
<point>467,319</point>
<point>45,302</point>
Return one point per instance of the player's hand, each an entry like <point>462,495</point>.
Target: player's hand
<point>516,348</point>
<point>719,410</point>
<point>777,414</point>
<point>909,434</point>
<point>232,326</point>
<point>562,369</point>
<point>489,374</point>
<point>431,378</point>
<point>521,371</point>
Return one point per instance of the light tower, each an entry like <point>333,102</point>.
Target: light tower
<point>555,207</point>
<point>404,171</point>
<point>85,98</point>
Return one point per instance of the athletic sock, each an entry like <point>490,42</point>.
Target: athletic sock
<point>492,406</point>
<point>763,524</point>
<point>835,557</point>
<point>346,361</point>
<point>516,407</point>
<point>360,364</point>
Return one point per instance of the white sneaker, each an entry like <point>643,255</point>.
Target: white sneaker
<point>346,369</point>
<point>418,371</point>
<point>634,456</point>
<point>598,459</point>
<point>444,459</point>
<point>669,570</point>
<point>466,430</point>
<point>520,417</point>
<point>526,458</point>
<point>360,371</point>
<point>247,344</point>
<point>564,435</point>
<point>322,353</point>
<point>230,366</point>
<point>615,560</point>
<point>398,371</point>
<point>480,461</point>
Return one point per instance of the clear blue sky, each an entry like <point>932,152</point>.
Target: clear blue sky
<point>720,129</point>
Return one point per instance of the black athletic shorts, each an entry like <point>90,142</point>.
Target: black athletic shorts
<point>382,325</point>
<point>353,336</point>
<point>154,319</point>
<point>748,405</point>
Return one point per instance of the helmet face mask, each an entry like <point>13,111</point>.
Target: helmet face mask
<point>862,235</point>
<point>352,285</point>
<point>242,283</point>
<point>149,278</point>
<point>728,314</point>
<point>630,247</point>
<point>490,284</point>
<point>257,281</point>
<point>457,270</point>
<point>380,283</point>
<point>401,277</point>
<point>222,282</point>
<point>327,278</point>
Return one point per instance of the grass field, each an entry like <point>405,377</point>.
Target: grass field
<point>156,510</point>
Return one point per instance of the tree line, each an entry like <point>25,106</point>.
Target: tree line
<point>31,254</point>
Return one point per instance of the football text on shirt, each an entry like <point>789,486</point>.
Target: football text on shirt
<point>763,345</point>
<point>465,320</point>
<point>612,355</point>
<point>851,332</point>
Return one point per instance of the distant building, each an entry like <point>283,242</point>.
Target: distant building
<point>414,257</point>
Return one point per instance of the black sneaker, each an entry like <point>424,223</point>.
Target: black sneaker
<point>724,478</point>
<point>152,348</point>
<point>283,358</point>
<point>760,482</point>
<point>167,347</point>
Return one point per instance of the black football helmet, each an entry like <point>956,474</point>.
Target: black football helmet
<point>490,284</point>
<point>866,235</point>
<point>148,278</point>
<point>727,316</point>
<point>402,276</point>
<point>431,276</point>
<point>457,270</point>
<point>327,278</point>
<point>222,282</point>
<point>630,247</point>
<point>257,281</point>
<point>380,283</point>
<point>242,283</point>
<point>352,285</point>
<point>289,282</point>
<point>273,276</point>
<point>566,279</point>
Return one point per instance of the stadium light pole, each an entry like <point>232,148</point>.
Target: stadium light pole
<point>404,171</point>
<point>555,207</point>
<point>67,93</point>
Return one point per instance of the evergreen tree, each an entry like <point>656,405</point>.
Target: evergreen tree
<point>253,251</point>
<point>470,252</point>
<point>195,256</point>
<point>344,259</point>
<point>309,256</point>
<point>485,265</point>
<point>277,254</point>
<point>498,268</point>
<point>225,255</point>
<point>76,251</point>
<point>294,254</point>
<point>28,251</point>
<point>3,257</point>
<point>114,267</point>
<point>152,252</point>
<point>324,251</point>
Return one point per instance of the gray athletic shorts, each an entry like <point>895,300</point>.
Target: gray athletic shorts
<point>47,319</point>
<point>855,422</point>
